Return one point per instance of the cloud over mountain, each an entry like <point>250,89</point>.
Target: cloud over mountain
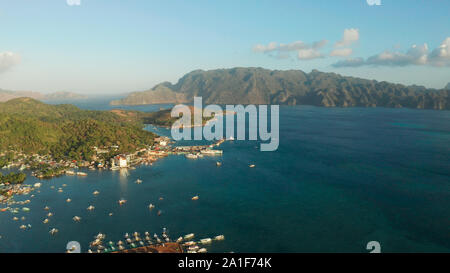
<point>416,55</point>
<point>8,60</point>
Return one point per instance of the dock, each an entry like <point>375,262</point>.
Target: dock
<point>163,248</point>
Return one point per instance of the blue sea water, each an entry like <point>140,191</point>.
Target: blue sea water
<point>341,177</point>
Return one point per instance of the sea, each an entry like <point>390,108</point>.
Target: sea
<point>341,178</point>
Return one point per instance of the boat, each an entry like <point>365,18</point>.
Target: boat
<point>46,208</point>
<point>122,201</point>
<point>179,240</point>
<point>206,241</point>
<point>26,209</point>
<point>189,236</point>
<point>68,200</point>
<point>91,208</point>
<point>15,219</point>
<point>37,185</point>
<point>202,250</point>
<point>218,164</point>
<point>81,174</point>
<point>151,206</point>
<point>251,166</point>
<point>96,193</point>
<point>76,218</point>
<point>139,181</point>
<point>219,238</point>
<point>70,172</point>
<point>23,227</point>
<point>195,198</point>
<point>49,214</point>
<point>45,221</point>
<point>190,243</point>
<point>211,152</point>
<point>53,231</point>
<point>191,156</point>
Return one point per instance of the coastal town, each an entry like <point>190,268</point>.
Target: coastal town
<point>45,167</point>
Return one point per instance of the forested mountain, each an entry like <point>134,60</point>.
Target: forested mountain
<point>291,87</point>
<point>65,131</point>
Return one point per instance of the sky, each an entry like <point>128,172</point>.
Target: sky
<point>113,46</point>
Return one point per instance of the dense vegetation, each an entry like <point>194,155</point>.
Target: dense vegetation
<point>164,118</point>
<point>12,178</point>
<point>65,131</point>
<point>292,87</point>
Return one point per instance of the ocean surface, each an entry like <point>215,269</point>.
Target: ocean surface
<point>341,177</point>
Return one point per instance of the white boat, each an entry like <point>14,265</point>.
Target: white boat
<point>53,231</point>
<point>211,152</point>
<point>91,208</point>
<point>191,156</point>
<point>96,193</point>
<point>195,198</point>
<point>206,241</point>
<point>190,243</point>
<point>70,172</point>
<point>81,174</point>
<point>76,218</point>
<point>151,206</point>
<point>139,181</point>
<point>189,236</point>
<point>68,200</point>
<point>122,201</point>
<point>252,166</point>
<point>202,250</point>
<point>37,185</point>
<point>219,238</point>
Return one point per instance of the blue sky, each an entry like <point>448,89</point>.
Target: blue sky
<point>112,46</point>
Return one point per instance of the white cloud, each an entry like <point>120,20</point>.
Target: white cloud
<point>351,35</point>
<point>8,60</point>
<point>341,52</point>
<point>416,55</point>
<point>73,2</point>
<point>304,50</point>
<point>294,46</point>
<point>374,2</point>
<point>441,55</point>
<point>308,54</point>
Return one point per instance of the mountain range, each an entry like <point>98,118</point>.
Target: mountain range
<point>288,87</point>
<point>6,95</point>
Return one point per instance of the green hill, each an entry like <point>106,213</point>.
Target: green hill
<point>291,87</point>
<point>65,131</point>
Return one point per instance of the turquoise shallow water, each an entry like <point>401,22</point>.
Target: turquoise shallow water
<point>340,178</point>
